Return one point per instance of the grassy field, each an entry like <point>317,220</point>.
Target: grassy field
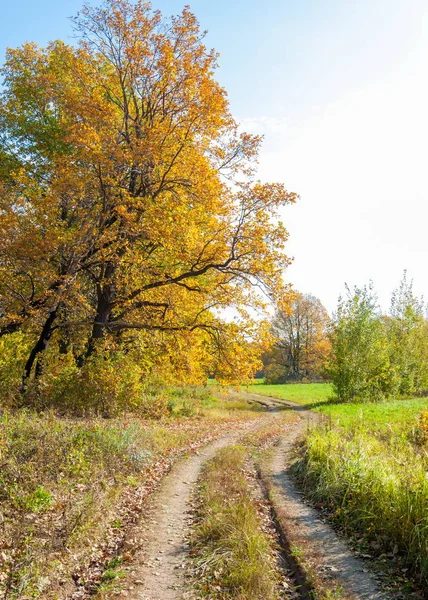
<point>393,416</point>
<point>301,393</point>
<point>69,487</point>
<point>367,466</point>
<point>318,396</point>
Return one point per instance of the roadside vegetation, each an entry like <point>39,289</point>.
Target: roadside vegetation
<point>235,555</point>
<point>366,466</point>
<point>70,487</point>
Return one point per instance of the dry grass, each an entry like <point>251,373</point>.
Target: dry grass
<point>235,556</point>
<point>69,487</point>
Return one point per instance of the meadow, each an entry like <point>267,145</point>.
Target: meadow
<point>366,465</point>
<point>319,397</point>
<point>301,393</point>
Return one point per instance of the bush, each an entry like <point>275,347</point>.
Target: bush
<point>274,373</point>
<point>408,341</point>
<point>360,367</point>
<point>109,383</point>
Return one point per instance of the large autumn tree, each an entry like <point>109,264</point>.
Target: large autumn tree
<point>127,193</point>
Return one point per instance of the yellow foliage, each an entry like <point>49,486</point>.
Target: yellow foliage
<point>129,202</point>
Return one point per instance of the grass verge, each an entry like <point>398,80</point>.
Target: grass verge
<point>367,467</point>
<point>235,556</point>
<point>69,488</point>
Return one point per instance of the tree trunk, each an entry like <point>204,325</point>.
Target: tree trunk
<point>40,346</point>
<point>102,317</point>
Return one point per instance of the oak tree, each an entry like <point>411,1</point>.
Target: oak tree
<point>128,201</point>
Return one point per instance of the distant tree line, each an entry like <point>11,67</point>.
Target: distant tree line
<point>368,355</point>
<point>378,356</point>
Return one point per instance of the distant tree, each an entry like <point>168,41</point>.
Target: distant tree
<point>408,340</point>
<point>302,346</point>
<point>360,366</point>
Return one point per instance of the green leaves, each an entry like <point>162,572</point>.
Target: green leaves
<point>376,356</point>
<point>360,367</point>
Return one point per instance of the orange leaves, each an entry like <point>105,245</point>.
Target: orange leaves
<point>302,342</point>
<point>129,185</point>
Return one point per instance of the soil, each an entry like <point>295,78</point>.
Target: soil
<point>158,570</point>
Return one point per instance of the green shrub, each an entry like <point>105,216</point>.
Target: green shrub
<point>407,330</point>
<point>360,367</point>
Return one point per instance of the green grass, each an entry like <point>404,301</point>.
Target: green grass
<point>301,393</point>
<point>395,414</point>
<point>318,396</point>
<point>368,464</point>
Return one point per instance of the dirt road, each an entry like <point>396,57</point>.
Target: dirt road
<point>158,571</point>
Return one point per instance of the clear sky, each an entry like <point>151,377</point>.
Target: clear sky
<point>339,88</point>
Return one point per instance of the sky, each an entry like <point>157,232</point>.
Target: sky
<point>339,89</point>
